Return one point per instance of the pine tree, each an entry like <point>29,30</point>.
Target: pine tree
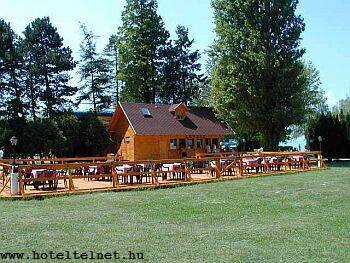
<point>11,72</point>
<point>189,76</point>
<point>52,63</point>
<point>94,73</point>
<point>181,78</point>
<point>32,82</point>
<point>170,74</point>
<point>112,53</point>
<point>141,39</point>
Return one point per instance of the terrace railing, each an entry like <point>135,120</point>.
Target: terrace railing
<point>66,174</point>
<point>5,169</point>
<point>22,161</point>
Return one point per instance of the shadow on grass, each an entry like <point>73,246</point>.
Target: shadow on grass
<point>339,164</point>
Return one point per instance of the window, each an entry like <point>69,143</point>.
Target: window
<point>190,143</point>
<point>146,113</point>
<point>208,141</point>
<point>215,142</point>
<point>182,143</point>
<point>173,144</point>
<point>208,145</point>
<point>199,143</point>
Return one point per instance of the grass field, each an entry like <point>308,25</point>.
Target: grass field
<point>301,217</point>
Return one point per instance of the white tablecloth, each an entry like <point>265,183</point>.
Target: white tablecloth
<point>123,169</point>
<point>171,166</point>
<point>36,171</point>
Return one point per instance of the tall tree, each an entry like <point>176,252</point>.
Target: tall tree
<point>112,53</point>
<point>189,77</point>
<point>170,74</point>
<point>32,81</point>
<point>11,72</point>
<point>94,73</point>
<point>259,81</point>
<point>52,63</point>
<point>181,70</point>
<point>141,39</point>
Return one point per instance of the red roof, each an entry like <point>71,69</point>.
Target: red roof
<point>173,107</point>
<point>198,121</point>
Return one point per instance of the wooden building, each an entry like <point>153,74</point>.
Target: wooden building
<point>158,131</point>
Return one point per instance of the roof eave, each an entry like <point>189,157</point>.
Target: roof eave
<point>127,117</point>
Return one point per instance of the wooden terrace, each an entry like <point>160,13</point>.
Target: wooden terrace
<point>46,177</point>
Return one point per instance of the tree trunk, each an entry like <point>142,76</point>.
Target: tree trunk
<point>18,106</point>
<point>93,92</point>
<point>270,140</point>
<point>32,98</point>
<point>116,76</point>
<point>48,96</point>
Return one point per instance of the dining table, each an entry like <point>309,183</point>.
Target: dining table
<point>35,172</point>
<point>124,170</point>
<point>170,167</point>
<point>92,169</point>
<point>298,160</point>
<point>249,161</point>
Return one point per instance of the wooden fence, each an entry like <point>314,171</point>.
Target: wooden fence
<point>22,161</point>
<point>114,174</point>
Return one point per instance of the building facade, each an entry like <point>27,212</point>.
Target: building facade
<point>143,131</point>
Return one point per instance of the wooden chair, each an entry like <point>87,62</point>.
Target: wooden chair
<point>137,169</point>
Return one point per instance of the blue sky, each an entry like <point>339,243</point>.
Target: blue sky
<point>326,38</point>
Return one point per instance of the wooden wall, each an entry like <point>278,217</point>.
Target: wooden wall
<point>133,147</point>
<point>124,136</point>
<point>158,146</point>
<point>149,147</point>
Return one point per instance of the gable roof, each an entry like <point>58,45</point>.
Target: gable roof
<point>199,120</point>
<point>173,107</point>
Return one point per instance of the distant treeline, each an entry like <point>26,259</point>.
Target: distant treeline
<point>66,135</point>
<point>334,130</point>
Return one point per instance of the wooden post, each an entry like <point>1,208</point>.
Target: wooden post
<point>70,181</point>
<point>115,180</point>
<point>264,167</point>
<point>319,160</point>
<point>153,174</point>
<point>306,165</point>
<point>240,166</point>
<point>187,173</point>
<point>21,185</point>
<point>218,168</point>
<point>267,166</point>
<point>189,176</point>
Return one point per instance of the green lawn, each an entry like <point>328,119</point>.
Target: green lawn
<point>288,218</point>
